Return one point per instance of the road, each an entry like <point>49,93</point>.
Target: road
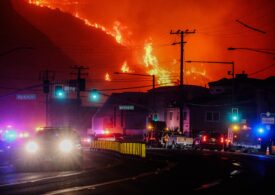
<point>162,172</point>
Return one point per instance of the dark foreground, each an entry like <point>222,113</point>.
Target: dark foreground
<point>162,172</point>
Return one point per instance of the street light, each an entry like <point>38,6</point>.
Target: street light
<point>221,62</point>
<point>216,62</point>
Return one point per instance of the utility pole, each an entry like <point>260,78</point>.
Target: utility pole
<point>80,82</point>
<point>181,33</point>
<point>46,76</point>
<point>181,103</point>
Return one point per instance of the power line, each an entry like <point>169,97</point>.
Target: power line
<point>261,70</point>
<point>114,89</point>
<point>22,89</point>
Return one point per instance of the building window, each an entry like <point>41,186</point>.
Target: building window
<point>212,116</point>
<point>171,115</point>
<point>216,116</point>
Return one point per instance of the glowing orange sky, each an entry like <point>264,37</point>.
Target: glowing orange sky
<point>216,30</point>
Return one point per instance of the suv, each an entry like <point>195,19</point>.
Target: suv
<point>212,141</point>
<point>50,148</point>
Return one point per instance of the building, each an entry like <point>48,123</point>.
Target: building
<point>124,113</point>
<point>167,102</point>
<point>204,109</point>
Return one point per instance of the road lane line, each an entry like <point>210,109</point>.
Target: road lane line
<point>236,164</point>
<point>42,179</point>
<point>235,172</point>
<point>94,186</point>
<point>209,185</point>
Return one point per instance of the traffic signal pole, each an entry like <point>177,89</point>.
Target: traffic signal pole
<point>46,76</point>
<point>79,80</point>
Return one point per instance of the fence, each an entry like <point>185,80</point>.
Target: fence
<point>127,148</point>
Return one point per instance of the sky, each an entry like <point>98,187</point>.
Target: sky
<point>216,24</point>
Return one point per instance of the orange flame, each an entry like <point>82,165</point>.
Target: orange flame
<point>107,77</point>
<point>198,76</point>
<point>115,32</point>
<point>151,62</point>
<point>125,68</point>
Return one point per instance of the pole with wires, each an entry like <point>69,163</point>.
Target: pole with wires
<point>181,103</point>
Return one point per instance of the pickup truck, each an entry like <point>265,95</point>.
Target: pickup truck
<point>177,141</point>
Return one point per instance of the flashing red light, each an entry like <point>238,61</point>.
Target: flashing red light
<point>222,140</point>
<point>204,138</point>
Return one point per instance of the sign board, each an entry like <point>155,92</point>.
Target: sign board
<point>69,88</point>
<point>126,107</point>
<point>25,96</point>
<point>268,118</point>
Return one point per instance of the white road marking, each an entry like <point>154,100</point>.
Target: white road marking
<point>208,185</point>
<point>42,179</point>
<point>94,186</point>
<point>235,172</point>
<point>236,164</point>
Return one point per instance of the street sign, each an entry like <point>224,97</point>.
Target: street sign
<point>268,118</point>
<point>25,96</point>
<point>126,107</point>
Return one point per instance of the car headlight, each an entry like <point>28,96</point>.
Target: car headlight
<point>32,147</point>
<point>66,146</point>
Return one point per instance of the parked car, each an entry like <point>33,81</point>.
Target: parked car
<point>52,148</point>
<point>212,141</point>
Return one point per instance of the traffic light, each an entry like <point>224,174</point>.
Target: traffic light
<point>155,117</point>
<point>59,92</point>
<point>46,86</point>
<point>234,115</point>
<point>94,95</point>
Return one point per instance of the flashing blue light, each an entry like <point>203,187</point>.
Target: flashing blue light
<point>261,130</point>
<point>10,136</point>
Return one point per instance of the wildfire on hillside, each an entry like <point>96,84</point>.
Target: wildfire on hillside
<point>122,35</point>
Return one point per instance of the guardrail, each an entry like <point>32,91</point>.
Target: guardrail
<point>127,148</point>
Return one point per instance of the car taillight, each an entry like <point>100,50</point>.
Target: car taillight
<point>204,138</point>
<point>222,140</point>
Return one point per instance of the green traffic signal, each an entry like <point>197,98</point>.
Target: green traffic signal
<point>235,118</point>
<point>234,115</point>
<point>94,95</point>
<point>59,92</point>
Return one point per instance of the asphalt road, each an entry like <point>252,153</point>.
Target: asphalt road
<point>162,172</point>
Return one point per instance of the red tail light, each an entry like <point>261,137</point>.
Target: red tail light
<point>204,138</point>
<point>222,140</point>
